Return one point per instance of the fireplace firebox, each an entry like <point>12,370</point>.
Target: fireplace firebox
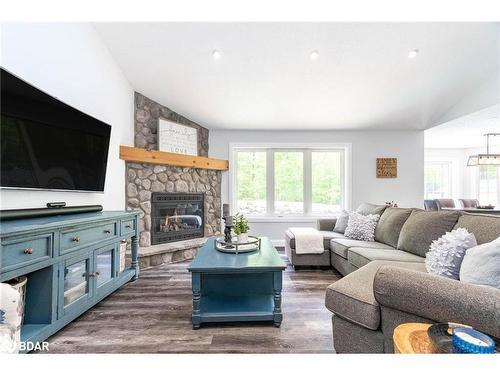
<point>176,217</point>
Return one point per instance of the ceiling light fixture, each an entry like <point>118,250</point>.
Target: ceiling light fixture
<point>485,159</point>
<point>413,53</point>
<point>216,54</point>
<point>314,55</point>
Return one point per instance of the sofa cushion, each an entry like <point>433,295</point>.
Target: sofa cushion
<point>370,209</point>
<point>327,236</point>
<point>485,228</point>
<point>423,227</point>
<point>340,246</point>
<point>352,297</point>
<point>361,256</point>
<point>390,224</point>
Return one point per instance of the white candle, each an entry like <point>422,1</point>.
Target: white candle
<point>471,339</point>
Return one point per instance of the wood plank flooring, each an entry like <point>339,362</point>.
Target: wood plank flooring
<point>153,315</point>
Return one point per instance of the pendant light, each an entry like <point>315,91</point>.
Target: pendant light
<point>485,159</point>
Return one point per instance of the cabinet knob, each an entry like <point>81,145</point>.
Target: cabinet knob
<point>76,239</point>
<point>107,231</point>
<point>28,250</point>
<point>92,274</point>
<point>128,226</point>
<point>97,273</point>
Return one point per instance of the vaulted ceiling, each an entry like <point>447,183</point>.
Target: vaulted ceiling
<point>265,78</point>
<point>466,131</point>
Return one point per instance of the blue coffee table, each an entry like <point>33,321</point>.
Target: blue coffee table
<point>237,287</point>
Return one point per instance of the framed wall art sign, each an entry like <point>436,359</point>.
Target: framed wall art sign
<point>387,167</point>
<point>177,138</point>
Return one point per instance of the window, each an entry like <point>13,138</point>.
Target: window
<point>251,187</point>
<point>288,182</point>
<point>489,182</point>
<point>437,179</point>
<point>327,172</point>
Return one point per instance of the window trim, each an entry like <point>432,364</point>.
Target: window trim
<point>307,148</point>
<point>450,166</point>
<point>478,184</point>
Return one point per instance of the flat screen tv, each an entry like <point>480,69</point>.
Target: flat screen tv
<point>47,144</point>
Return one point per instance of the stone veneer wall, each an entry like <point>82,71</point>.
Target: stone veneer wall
<point>143,179</point>
<point>147,114</point>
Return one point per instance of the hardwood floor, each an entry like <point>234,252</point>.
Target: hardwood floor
<point>153,315</point>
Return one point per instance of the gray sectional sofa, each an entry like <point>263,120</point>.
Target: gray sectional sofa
<point>385,282</point>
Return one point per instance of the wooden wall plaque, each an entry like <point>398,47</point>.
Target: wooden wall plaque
<point>387,167</point>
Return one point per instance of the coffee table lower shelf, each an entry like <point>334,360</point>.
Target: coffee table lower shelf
<point>236,309</point>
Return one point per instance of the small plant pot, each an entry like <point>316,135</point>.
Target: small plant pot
<point>243,237</point>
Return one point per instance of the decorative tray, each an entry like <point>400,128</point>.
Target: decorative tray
<point>235,247</point>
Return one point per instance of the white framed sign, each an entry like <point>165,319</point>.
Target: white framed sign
<point>177,138</point>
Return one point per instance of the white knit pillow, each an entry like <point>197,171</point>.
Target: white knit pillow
<point>361,227</point>
<point>447,253</point>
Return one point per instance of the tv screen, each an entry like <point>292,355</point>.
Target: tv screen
<point>46,144</point>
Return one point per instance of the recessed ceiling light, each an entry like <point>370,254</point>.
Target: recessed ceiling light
<point>216,54</point>
<point>314,55</point>
<point>413,53</point>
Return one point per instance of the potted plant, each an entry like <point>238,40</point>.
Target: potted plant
<point>241,227</point>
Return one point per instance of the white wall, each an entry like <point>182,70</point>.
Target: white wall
<point>71,62</point>
<point>407,146</point>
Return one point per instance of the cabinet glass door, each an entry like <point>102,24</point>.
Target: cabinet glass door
<point>104,266</point>
<point>76,281</point>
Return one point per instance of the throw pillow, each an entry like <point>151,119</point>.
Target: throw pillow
<point>447,253</point>
<point>481,265</point>
<point>371,209</point>
<point>361,227</point>
<point>341,223</point>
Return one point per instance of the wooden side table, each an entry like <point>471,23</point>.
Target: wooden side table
<point>412,338</point>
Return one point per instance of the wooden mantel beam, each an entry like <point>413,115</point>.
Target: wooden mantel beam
<point>141,155</point>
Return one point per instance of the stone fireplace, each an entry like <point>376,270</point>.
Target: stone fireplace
<point>180,205</point>
<point>146,180</point>
<point>176,217</point>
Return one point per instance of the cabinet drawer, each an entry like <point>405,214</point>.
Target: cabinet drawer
<point>78,238</point>
<point>127,226</point>
<point>25,251</point>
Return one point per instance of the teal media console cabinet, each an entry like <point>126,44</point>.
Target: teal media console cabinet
<point>71,262</point>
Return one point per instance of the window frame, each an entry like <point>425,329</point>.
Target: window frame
<point>478,185</point>
<point>306,149</point>
<point>449,165</point>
